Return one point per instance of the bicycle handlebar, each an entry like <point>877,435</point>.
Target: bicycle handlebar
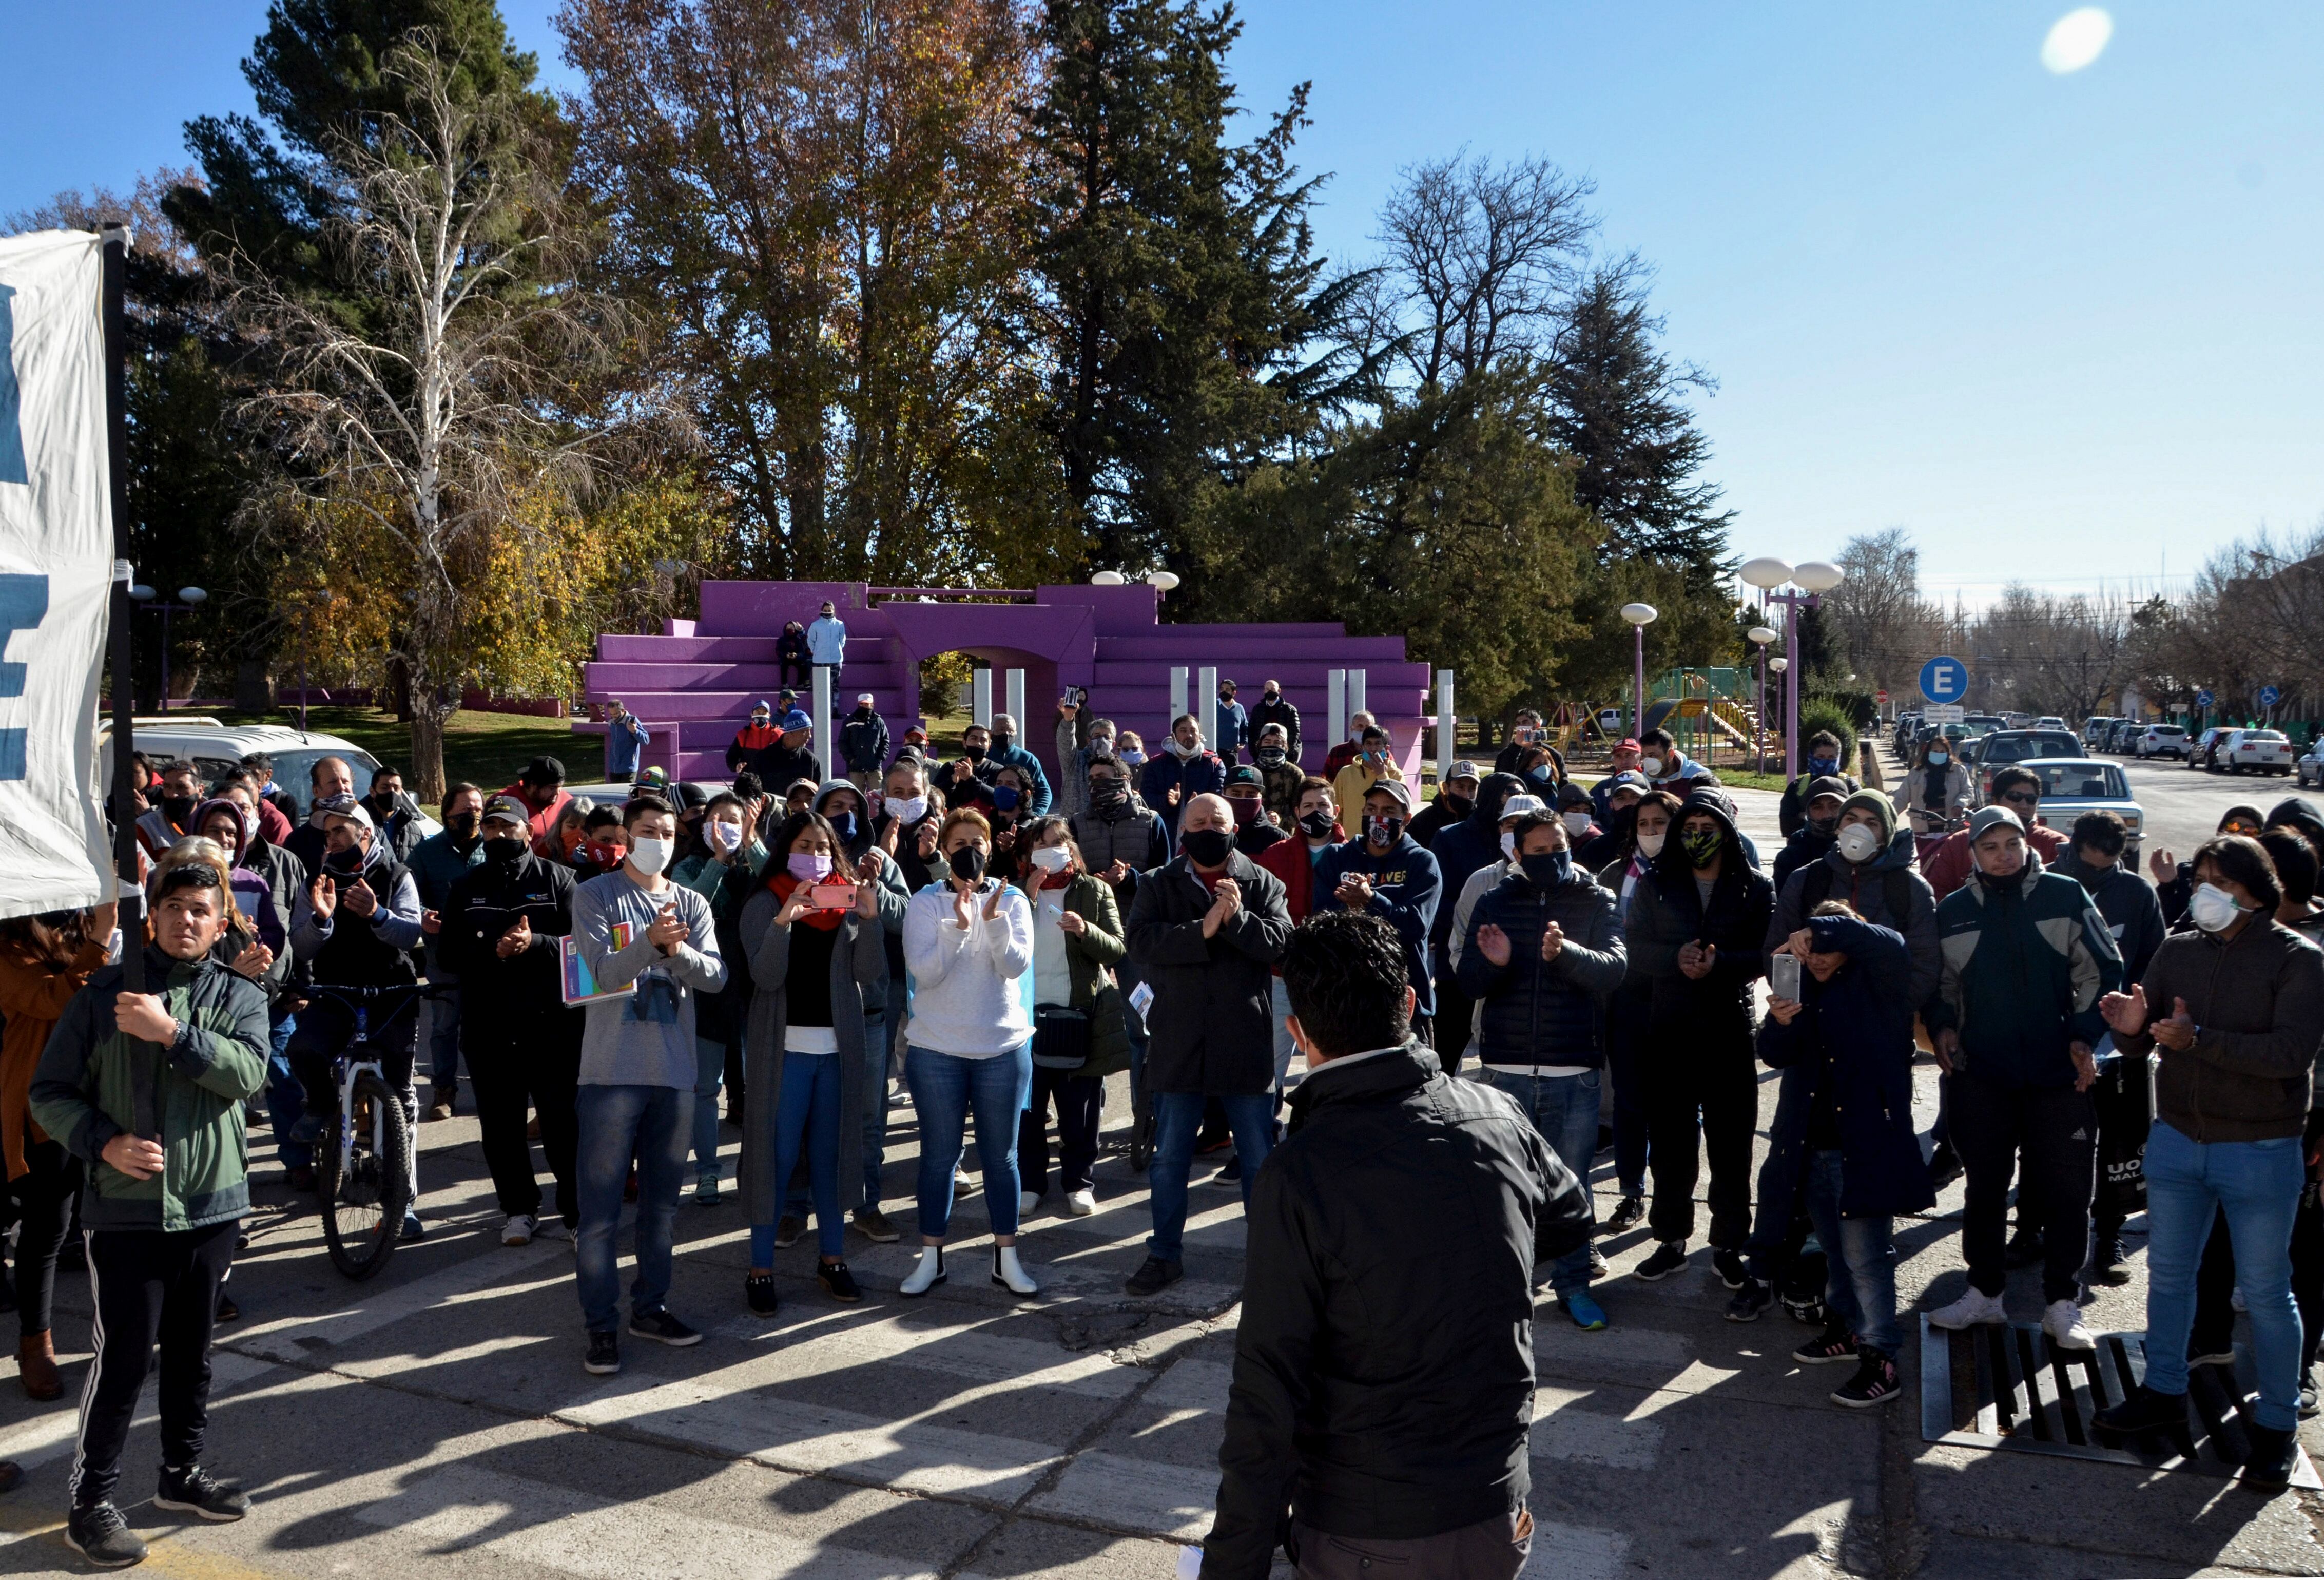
<point>349,991</point>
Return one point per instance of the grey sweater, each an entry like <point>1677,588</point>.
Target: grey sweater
<point>646,1039</point>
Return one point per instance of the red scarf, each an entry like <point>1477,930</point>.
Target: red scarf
<point>1063,878</point>
<point>782,884</point>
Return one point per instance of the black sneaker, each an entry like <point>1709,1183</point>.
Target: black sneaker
<point>2145,1410</point>
<point>1834,1343</point>
<point>1627,1215</point>
<point>2274,1455</point>
<point>1944,1166</point>
<point>604,1356</point>
<point>758,1294</point>
<point>1807,1310</point>
<point>1729,1265</point>
<point>1750,1302</point>
<point>2106,1262</point>
<point>1230,1171</point>
<point>2309,1404</point>
<point>2025,1247</point>
<point>1875,1382</point>
<point>1668,1258</point>
<point>99,1534</point>
<point>837,1281</point>
<point>194,1491</point>
<point>1153,1276</point>
<point>664,1329</point>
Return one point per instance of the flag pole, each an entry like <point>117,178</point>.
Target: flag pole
<point>131,892</point>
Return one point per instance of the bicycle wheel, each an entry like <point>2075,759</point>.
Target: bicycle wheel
<point>364,1204</point>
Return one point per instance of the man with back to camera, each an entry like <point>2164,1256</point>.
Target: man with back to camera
<point>1383,1375</point>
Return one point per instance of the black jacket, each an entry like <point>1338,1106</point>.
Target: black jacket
<point>780,767</point>
<point>1710,1017</point>
<point>1211,1028</point>
<point>2132,912</point>
<point>1539,1012</point>
<point>1264,713</point>
<point>486,902</point>
<point>1383,1374</point>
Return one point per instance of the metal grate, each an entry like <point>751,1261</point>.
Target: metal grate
<point>1996,1387</point>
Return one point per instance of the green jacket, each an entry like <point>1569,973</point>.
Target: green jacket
<point>1090,959</point>
<point>82,1094</point>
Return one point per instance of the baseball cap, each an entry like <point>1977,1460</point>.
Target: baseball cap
<point>542,771</point>
<point>346,806</point>
<point>508,810</point>
<point>1464,768</point>
<point>1986,818</point>
<point>1629,779</point>
<point>761,706</point>
<point>863,697</point>
<point>1628,743</point>
<point>1244,775</point>
<point>1830,785</point>
<point>1394,787</point>
<point>1522,807</point>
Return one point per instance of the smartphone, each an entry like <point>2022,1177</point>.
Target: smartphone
<point>831,896</point>
<point>1784,976</point>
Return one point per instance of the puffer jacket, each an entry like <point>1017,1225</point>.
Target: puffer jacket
<point>1211,1028</point>
<point>1090,960</point>
<point>1537,1011</point>
<point>84,1095</point>
<point>1873,891</point>
<point>1712,1015</point>
<point>1368,1401</point>
<point>2257,1001</point>
<point>2024,965</point>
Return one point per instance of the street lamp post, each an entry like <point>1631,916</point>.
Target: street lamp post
<point>1760,635</point>
<point>1813,578</point>
<point>1779,664</point>
<point>191,599</point>
<point>1640,616</point>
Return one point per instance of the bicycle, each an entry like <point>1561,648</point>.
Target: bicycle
<point>367,1171</point>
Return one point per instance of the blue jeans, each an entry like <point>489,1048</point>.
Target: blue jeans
<point>875,1120</point>
<point>618,1123</point>
<point>286,1099</point>
<point>709,1071</point>
<point>1564,1112</point>
<point>806,1118</point>
<point>1285,1048</point>
<point>945,1090</point>
<point>1859,1260</point>
<point>444,1039</point>
<point>1177,1117</point>
<point>2258,1184</point>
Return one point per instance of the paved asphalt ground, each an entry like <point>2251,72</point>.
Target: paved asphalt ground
<point>437,1421</point>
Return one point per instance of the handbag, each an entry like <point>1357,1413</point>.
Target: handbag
<point>2124,1096</point>
<point>1061,1037</point>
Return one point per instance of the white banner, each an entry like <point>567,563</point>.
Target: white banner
<point>56,564</point>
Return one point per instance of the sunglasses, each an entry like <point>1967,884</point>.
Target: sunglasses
<point>2026,798</point>
<point>2244,828</point>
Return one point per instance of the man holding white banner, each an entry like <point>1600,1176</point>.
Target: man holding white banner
<point>145,1088</point>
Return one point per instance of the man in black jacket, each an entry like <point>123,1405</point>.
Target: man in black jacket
<point>1206,931</point>
<point>1383,1374</point>
<point>1274,708</point>
<point>504,931</point>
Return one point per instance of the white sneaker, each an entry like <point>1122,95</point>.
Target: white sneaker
<point>1026,1201</point>
<point>2063,1323</point>
<point>1081,1202</point>
<point>550,1228</point>
<point>1973,1308</point>
<point>518,1230</point>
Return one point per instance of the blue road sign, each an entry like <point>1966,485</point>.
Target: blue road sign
<point>2269,696</point>
<point>1944,679</point>
<point>2203,699</point>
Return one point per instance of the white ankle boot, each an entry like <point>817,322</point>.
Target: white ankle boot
<point>1010,1274</point>
<point>927,1275</point>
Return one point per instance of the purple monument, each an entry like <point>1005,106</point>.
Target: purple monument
<point>694,686</point>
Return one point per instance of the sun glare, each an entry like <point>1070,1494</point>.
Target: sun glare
<point>2077,39</point>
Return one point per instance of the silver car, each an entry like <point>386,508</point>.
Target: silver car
<point>2071,786</point>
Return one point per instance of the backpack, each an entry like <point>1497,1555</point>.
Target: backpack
<point>1897,890</point>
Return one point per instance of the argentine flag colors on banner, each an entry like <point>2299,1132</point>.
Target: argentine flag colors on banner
<point>55,564</point>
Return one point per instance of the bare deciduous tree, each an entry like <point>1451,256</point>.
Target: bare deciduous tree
<point>426,421</point>
<point>1879,614</point>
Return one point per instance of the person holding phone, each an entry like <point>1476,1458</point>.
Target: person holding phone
<point>1696,928</point>
<point>968,944</point>
<point>1840,1027</point>
<point>811,935</point>
<point>1079,1038</point>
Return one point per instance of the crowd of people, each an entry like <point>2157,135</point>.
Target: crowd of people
<point>799,943</point>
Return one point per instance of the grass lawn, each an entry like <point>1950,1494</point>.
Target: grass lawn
<point>489,749</point>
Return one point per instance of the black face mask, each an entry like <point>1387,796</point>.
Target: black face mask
<point>1825,825</point>
<point>1459,805</point>
<point>1383,831</point>
<point>381,805</point>
<point>1315,825</point>
<point>1548,869</point>
<point>968,863</point>
<point>1109,793</point>
<point>1003,741</point>
<point>464,825</point>
<point>349,859</point>
<point>973,754</point>
<point>1207,847</point>
<point>178,809</point>
<point>1272,756</point>
<point>504,850</point>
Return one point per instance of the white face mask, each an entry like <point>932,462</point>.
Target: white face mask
<point>249,821</point>
<point>649,857</point>
<point>1052,858</point>
<point>1858,843</point>
<point>2213,908</point>
<point>1651,767</point>
<point>724,836</point>
<point>1650,845</point>
<point>1577,822</point>
<point>1509,843</point>
<point>910,809</point>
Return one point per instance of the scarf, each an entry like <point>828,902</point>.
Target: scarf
<point>782,884</point>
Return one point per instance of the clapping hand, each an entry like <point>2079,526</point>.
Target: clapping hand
<point>1695,960</point>
<point>1225,901</point>
<point>2164,865</point>
<point>516,940</point>
<point>2125,1013</point>
<point>1493,944</point>
<point>1354,891</point>
<point>323,897</point>
<point>1552,939</point>
<point>253,961</point>
<point>992,902</point>
<point>2177,1032</point>
<point>359,898</point>
<point>432,922</point>
<point>668,932</point>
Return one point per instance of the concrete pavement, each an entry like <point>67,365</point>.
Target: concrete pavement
<point>437,1420</point>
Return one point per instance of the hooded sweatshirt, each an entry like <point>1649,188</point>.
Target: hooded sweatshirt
<point>1886,891</point>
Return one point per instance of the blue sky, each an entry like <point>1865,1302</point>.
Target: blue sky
<point>2062,327</point>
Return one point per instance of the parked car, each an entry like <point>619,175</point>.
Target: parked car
<point>2097,729</point>
<point>2124,736</point>
<point>2160,741</point>
<point>2198,755</point>
<point>2071,786</point>
<point>2048,721</point>
<point>2003,747</point>
<point>2252,752</point>
<point>2309,769</point>
<point>1983,723</point>
<point>218,748</point>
